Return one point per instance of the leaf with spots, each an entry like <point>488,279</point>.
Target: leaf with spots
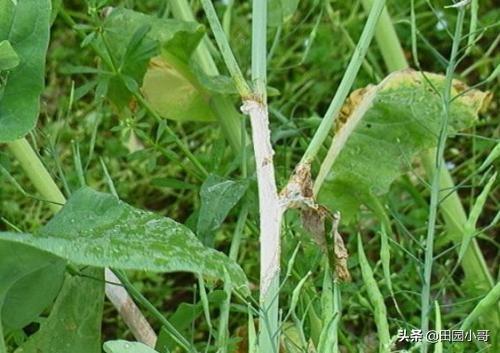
<point>96,229</point>
<point>381,129</point>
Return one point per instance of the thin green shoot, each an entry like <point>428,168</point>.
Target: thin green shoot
<point>225,49</point>
<point>37,173</point>
<point>435,184</point>
<point>438,347</point>
<point>376,300</point>
<point>323,131</point>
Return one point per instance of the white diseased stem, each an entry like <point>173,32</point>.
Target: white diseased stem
<point>128,310</point>
<point>270,209</point>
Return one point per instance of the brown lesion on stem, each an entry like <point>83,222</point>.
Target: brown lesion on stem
<point>319,221</point>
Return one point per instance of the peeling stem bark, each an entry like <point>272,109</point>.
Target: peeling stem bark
<point>128,310</point>
<point>271,213</point>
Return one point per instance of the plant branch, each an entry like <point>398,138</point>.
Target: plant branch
<point>435,183</point>
<point>270,209</point>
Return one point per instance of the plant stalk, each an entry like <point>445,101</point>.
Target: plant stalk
<point>271,214</point>
<point>36,172</point>
<point>270,209</point>
<point>435,183</point>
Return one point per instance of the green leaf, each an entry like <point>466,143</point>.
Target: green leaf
<point>8,56</point>
<point>74,324</point>
<point>280,11</point>
<point>26,27</point>
<point>218,197</point>
<point>30,280</point>
<point>384,127</point>
<point>121,346</point>
<point>96,229</point>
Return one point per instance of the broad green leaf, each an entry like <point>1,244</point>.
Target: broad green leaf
<point>30,280</point>
<point>8,56</point>
<point>121,346</point>
<point>25,26</point>
<point>74,324</point>
<point>280,11</point>
<point>96,229</point>
<point>384,127</point>
<point>218,197</point>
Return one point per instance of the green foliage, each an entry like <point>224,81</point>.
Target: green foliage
<point>96,229</point>
<point>489,302</point>
<point>121,346</point>
<point>25,25</point>
<point>30,280</point>
<point>385,126</point>
<point>218,197</point>
<point>75,320</point>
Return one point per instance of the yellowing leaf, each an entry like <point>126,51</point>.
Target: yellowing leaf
<point>172,94</point>
<point>381,129</point>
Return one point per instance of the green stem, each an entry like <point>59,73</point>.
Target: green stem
<point>225,49</point>
<point>37,173</point>
<point>259,48</point>
<point>357,60</point>
<point>182,11</point>
<point>473,263</point>
<point>3,349</point>
<point>269,206</point>
<point>435,183</point>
